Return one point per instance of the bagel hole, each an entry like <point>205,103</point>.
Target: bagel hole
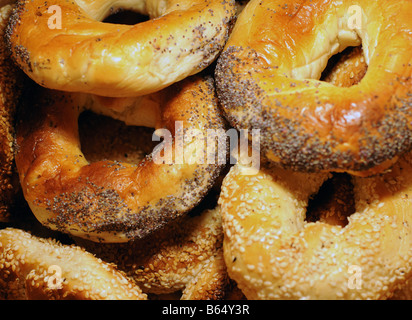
<point>346,68</point>
<point>127,17</point>
<point>334,202</point>
<point>104,138</point>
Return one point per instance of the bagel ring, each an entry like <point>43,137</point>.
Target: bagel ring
<point>35,268</point>
<point>266,78</point>
<point>109,201</point>
<point>86,55</point>
<point>334,201</point>
<point>273,253</point>
<point>184,259</point>
<point>186,256</point>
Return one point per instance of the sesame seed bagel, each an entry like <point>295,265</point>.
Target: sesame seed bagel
<point>349,69</point>
<point>186,256</point>
<point>267,78</point>
<point>272,252</point>
<point>10,89</point>
<point>34,268</point>
<point>86,55</point>
<point>112,201</point>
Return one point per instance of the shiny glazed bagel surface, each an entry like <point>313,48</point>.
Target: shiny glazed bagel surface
<point>267,78</point>
<point>86,55</point>
<point>110,201</point>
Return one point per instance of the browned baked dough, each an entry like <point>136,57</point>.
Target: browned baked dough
<point>404,292</point>
<point>35,268</point>
<point>267,78</point>
<point>109,201</point>
<point>86,55</point>
<point>184,260</point>
<point>335,202</point>
<point>273,253</point>
<point>185,257</point>
<point>10,89</point>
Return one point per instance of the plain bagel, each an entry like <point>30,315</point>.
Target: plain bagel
<point>267,78</point>
<point>86,55</point>
<point>110,201</point>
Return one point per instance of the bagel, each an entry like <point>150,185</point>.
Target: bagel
<point>10,90</point>
<point>116,60</point>
<point>349,69</point>
<point>33,268</point>
<point>185,258</point>
<point>273,253</point>
<point>110,201</point>
<point>334,201</point>
<point>267,78</point>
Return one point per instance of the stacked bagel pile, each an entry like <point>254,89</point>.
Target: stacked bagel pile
<point>109,222</point>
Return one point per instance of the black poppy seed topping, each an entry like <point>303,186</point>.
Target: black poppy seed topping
<point>96,209</point>
<point>92,209</point>
<point>245,105</point>
<point>22,55</point>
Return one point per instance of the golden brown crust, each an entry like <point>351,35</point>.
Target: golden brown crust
<point>111,201</point>
<point>116,60</point>
<point>334,202</point>
<point>185,257</point>
<point>404,292</point>
<point>184,260</point>
<point>272,253</point>
<point>10,89</point>
<point>269,67</point>
<point>36,269</point>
